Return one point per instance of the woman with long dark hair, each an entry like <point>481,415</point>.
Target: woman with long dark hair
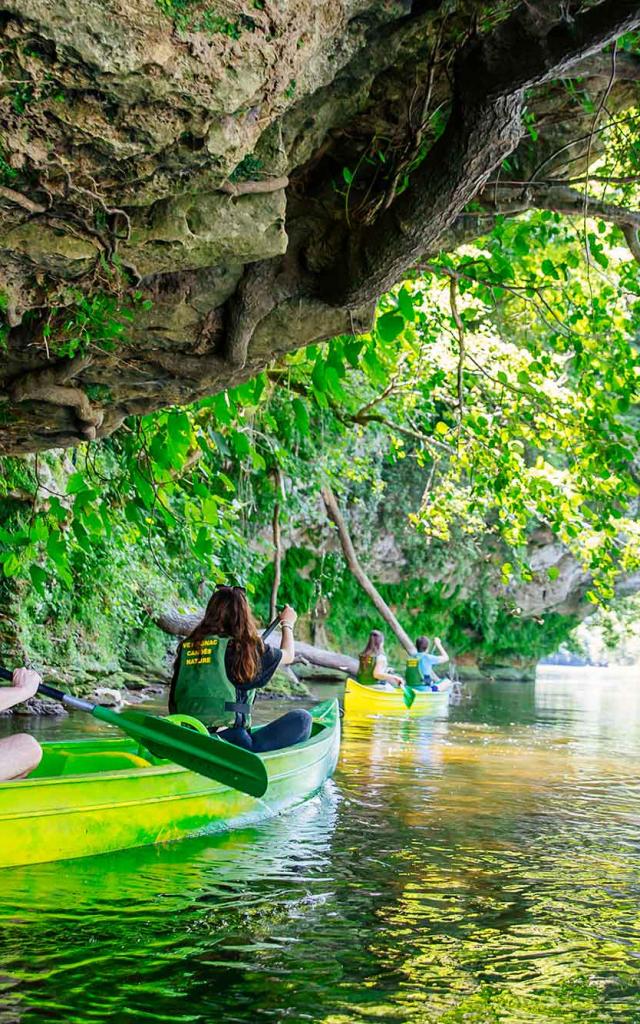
<point>220,666</point>
<point>372,668</point>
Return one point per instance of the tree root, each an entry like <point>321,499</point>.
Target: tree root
<point>50,385</point>
<point>20,200</point>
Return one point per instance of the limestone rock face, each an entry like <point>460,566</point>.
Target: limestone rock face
<point>208,230</point>
<point>194,151</point>
<point>144,146</point>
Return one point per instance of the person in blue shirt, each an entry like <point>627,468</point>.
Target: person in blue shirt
<point>426,661</point>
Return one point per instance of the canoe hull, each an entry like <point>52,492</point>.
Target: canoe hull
<point>80,815</point>
<point>368,700</point>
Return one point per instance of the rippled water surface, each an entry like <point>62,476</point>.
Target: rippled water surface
<point>481,865</point>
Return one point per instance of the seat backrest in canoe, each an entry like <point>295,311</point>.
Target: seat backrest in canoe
<point>68,762</point>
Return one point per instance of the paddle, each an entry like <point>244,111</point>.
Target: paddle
<point>408,695</point>
<point>270,628</point>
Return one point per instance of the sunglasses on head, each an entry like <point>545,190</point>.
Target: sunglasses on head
<point>229,586</point>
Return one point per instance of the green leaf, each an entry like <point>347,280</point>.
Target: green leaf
<point>405,305</point>
<point>132,513</point>
<point>39,531</point>
<point>179,429</point>
<point>210,512</point>
<point>57,549</point>
<point>240,444</point>
<point>57,509</point>
<point>202,545</point>
<point>12,565</point>
<point>93,523</point>
<point>76,483</point>
<point>161,452</point>
<point>548,269</point>
<point>301,415</point>
<point>38,577</point>
<point>144,488</point>
<point>374,368</point>
<point>333,385</point>
<point>82,536</point>
<point>389,326</point>
<point>222,409</point>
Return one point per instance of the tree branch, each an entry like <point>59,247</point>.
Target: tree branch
<point>632,236</point>
<point>598,65</point>
<point>499,201</point>
<point>531,46</point>
<point>453,301</point>
<point>334,513</point>
<point>278,481</point>
<point>19,199</point>
<point>570,202</point>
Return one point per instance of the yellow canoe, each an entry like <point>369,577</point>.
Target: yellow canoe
<point>377,700</point>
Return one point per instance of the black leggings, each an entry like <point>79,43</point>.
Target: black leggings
<point>294,727</point>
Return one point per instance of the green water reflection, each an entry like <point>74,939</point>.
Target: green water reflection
<point>479,866</point>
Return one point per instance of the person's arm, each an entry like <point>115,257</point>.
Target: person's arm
<point>440,658</point>
<point>25,685</point>
<point>287,621</point>
<point>380,672</point>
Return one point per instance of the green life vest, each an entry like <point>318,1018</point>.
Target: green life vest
<point>413,675</point>
<point>203,688</point>
<point>365,670</point>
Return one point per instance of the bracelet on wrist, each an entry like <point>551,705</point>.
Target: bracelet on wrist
<point>287,625</point>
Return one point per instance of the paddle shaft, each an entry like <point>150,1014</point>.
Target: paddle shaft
<point>270,628</point>
<point>50,691</point>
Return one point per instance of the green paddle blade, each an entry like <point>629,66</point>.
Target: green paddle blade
<point>206,755</point>
<point>408,696</point>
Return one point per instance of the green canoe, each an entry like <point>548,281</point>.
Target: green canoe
<point>99,795</point>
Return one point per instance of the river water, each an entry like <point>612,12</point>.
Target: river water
<point>478,866</point>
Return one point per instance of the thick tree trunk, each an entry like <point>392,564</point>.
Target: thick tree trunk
<point>334,513</point>
<point>333,660</point>
<point>181,623</point>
